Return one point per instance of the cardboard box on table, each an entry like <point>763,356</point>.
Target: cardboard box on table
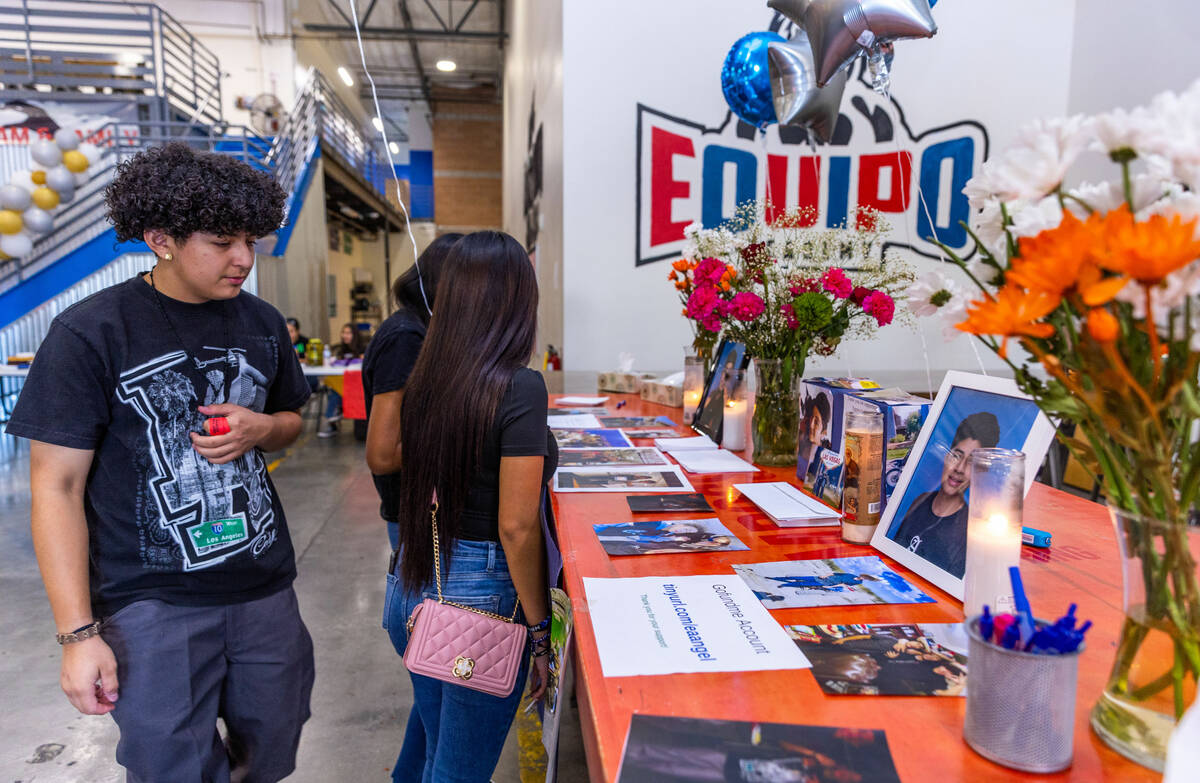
<point>623,382</point>
<point>820,467</point>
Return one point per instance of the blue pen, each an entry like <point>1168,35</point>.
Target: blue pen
<point>986,623</point>
<point>1076,638</point>
<point>621,404</point>
<point>1012,635</point>
<point>1024,613</point>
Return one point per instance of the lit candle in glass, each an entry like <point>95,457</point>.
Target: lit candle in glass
<point>737,411</point>
<point>993,529</point>
<point>693,386</point>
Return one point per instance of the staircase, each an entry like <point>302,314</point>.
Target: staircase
<point>170,84</point>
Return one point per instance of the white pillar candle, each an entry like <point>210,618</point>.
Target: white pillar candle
<point>993,545</point>
<point>734,428</point>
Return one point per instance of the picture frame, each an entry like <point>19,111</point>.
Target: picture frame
<point>970,411</point>
<point>710,414</point>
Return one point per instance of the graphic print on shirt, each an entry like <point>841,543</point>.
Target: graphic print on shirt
<point>211,512</point>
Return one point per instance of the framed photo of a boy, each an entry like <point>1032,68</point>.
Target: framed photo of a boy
<point>924,525</point>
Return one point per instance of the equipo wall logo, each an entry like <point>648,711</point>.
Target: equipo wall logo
<point>687,172</point>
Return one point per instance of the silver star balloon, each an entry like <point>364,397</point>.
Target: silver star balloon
<point>798,99</point>
<point>840,30</point>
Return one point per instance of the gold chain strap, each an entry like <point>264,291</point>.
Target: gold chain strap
<point>437,567</point>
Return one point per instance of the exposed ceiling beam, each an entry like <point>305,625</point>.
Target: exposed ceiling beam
<point>416,54</point>
<point>466,16</point>
<point>405,33</point>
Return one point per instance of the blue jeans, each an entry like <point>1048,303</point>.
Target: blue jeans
<point>333,403</point>
<point>455,734</point>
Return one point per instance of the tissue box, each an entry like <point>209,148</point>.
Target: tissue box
<point>820,444</point>
<point>622,382</point>
<point>903,415</point>
<point>667,394</point>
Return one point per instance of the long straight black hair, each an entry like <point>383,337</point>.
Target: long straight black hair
<point>426,272</point>
<point>481,333</point>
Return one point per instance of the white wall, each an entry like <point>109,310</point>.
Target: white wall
<point>999,64</point>
<point>533,81</point>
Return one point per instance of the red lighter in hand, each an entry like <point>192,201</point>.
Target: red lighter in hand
<point>218,425</point>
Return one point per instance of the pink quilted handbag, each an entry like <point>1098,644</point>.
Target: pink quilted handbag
<point>462,645</point>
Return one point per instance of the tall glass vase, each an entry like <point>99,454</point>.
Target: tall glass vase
<point>776,421</point>
<point>1153,678</point>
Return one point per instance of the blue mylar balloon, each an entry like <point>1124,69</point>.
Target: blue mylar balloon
<point>745,81</point>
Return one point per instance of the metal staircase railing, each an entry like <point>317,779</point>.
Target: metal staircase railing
<point>88,50</point>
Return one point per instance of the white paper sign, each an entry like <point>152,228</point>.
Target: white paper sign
<point>670,624</point>
<point>578,421</point>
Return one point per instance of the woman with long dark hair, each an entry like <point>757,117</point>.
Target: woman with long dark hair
<point>473,431</point>
<point>389,361</point>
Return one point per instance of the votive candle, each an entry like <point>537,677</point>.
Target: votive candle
<point>997,494</point>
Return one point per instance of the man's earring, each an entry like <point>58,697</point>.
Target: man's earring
<point>167,257</point>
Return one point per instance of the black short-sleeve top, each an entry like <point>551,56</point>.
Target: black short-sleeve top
<point>519,430</point>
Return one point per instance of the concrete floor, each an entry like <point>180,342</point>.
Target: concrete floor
<point>362,694</point>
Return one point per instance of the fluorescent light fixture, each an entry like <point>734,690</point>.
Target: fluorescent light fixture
<point>446,65</point>
<point>346,77</point>
<point>394,147</point>
<point>378,123</point>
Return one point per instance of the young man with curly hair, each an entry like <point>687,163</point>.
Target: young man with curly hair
<point>162,542</point>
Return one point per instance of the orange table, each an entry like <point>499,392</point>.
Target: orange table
<point>924,733</point>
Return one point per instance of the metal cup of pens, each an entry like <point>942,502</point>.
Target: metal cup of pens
<point>1021,687</point>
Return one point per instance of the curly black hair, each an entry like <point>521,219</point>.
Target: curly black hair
<point>181,191</point>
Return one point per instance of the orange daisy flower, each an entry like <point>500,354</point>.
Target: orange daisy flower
<point>1011,313</point>
<point>1148,250</point>
<point>1062,259</point>
<point>681,265</point>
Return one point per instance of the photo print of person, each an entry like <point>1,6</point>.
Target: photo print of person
<point>592,458</point>
<point>590,439</point>
<point>931,517</point>
<point>929,659</point>
<point>600,480</point>
<point>816,430</point>
<point>698,750</point>
<point>666,536</point>
<point>828,582</point>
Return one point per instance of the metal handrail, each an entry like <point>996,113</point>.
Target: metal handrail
<point>100,50</point>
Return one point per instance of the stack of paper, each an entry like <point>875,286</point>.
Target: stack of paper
<point>712,461</point>
<point>577,421</point>
<point>788,506</point>
<point>685,444</point>
<point>581,400</point>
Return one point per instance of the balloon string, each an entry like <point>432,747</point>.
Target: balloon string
<point>925,353</point>
<point>767,169</point>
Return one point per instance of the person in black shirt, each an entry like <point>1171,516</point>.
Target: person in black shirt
<point>389,361</point>
<point>935,526</point>
<point>299,341</point>
<point>473,440</point>
<point>161,539</point>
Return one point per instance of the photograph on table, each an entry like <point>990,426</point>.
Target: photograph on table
<point>590,439</point>
<point>929,659</point>
<point>667,536</point>
<point>658,504</point>
<point>597,458</point>
<point>651,434</point>
<point>711,413</point>
<point>662,749</point>
<point>839,581</point>
<point>635,422</point>
<point>668,479</point>
<point>924,525</point>
<point>576,412</point>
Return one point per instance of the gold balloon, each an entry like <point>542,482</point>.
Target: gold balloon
<point>10,221</point>
<point>75,161</point>
<point>39,177</point>
<point>45,198</point>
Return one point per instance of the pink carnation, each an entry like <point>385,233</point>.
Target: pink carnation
<point>881,306</point>
<point>835,282</point>
<point>746,306</point>
<point>708,272</point>
<point>705,307</point>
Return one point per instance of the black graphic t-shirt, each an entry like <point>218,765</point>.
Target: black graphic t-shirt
<point>940,540</point>
<point>390,358</point>
<point>163,522</point>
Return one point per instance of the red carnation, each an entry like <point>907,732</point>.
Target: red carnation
<point>860,294</point>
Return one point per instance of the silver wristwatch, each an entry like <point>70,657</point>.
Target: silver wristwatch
<point>79,634</point>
